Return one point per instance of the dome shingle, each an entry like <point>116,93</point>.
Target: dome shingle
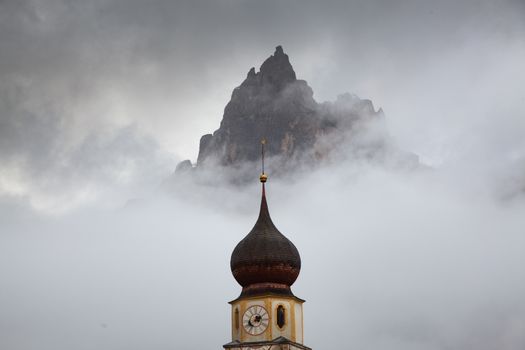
<point>265,261</point>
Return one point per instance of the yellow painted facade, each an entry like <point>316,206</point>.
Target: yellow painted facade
<point>293,325</point>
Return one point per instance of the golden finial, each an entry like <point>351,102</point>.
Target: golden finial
<point>263,176</point>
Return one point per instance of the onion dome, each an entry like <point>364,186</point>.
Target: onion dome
<point>265,261</point>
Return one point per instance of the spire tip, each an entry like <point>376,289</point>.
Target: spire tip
<point>263,178</point>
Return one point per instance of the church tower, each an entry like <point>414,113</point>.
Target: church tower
<point>267,315</point>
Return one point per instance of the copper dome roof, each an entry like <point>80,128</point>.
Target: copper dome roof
<point>265,261</point>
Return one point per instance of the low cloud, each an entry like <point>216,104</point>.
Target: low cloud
<point>98,100</point>
<point>391,258</point>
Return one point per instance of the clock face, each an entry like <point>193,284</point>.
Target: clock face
<point>255,320</point>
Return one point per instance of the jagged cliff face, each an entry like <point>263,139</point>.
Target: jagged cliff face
<point>270,104</point>
<point>273,104</point>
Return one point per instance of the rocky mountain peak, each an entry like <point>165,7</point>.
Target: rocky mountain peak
<point>275,74</point>
<point>277,70</point>
<point>275,105</point>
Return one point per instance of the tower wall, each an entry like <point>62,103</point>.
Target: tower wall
<point>293,319</point>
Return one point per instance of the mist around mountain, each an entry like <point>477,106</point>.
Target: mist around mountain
<point>272,104</point>
<point>99,100</point>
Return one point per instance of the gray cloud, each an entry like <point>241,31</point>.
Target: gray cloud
<point>391,259</point>
<point>447,74</point>
<point>98,98</point>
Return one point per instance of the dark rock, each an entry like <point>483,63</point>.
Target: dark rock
<point>275,105</point>
<point>184,166</point>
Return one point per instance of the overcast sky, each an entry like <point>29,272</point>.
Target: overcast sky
<point>99,100</point>
<point>80,79</point>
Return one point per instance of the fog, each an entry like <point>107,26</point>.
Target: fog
<point>99,100</point>
<point>391,260</point>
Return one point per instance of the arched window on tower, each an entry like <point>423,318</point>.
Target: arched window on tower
<point>281,317</point>
<point>236,318</point>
